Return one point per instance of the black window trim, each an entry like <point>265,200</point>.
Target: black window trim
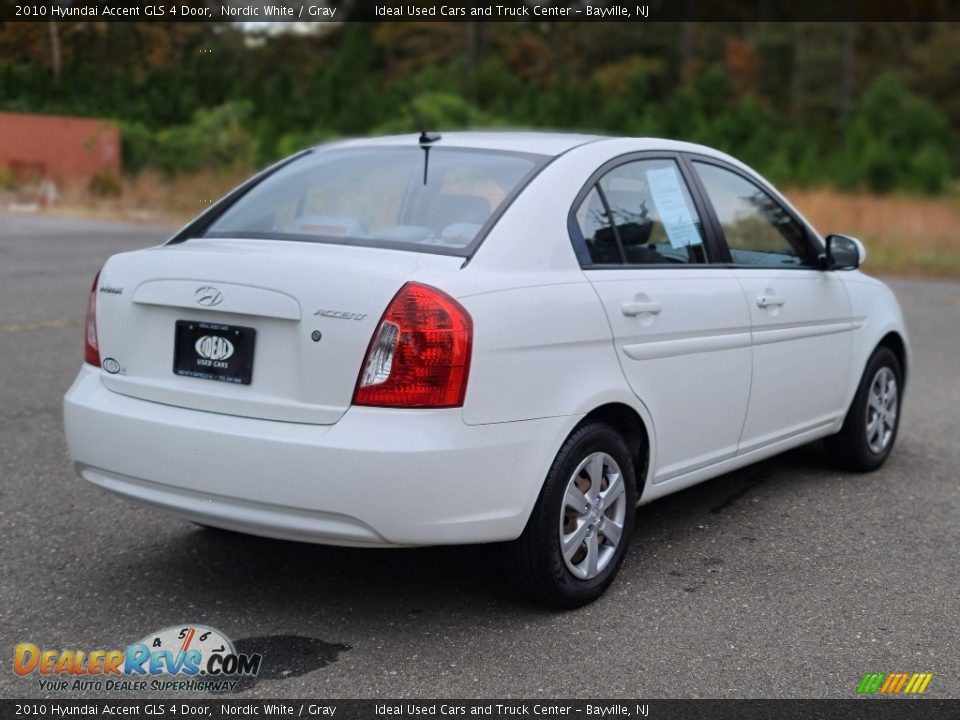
<point>711,244</point>
<point>814,248</point>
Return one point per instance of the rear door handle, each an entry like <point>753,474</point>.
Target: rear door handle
<point>766,301</point>
<point>631,309</point>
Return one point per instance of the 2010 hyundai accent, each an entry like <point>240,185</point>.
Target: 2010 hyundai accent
<point>480,337</point>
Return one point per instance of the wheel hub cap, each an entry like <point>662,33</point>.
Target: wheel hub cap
<point>882,407</point>
<point>592,516</point>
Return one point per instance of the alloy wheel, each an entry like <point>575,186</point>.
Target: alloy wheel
<point>592,515</point>
<point>882,405</point>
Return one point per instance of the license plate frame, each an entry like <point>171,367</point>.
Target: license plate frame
<point>214,351</point>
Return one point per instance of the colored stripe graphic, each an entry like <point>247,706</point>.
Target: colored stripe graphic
<point>894,683</point>
<point>927,677</point>
<point>889,683</point>
<point>870,683</point>
<point>901,681</point>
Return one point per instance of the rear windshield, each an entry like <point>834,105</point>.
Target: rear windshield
<point>377,196</point>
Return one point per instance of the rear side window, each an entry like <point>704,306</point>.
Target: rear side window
<point>380,196</point>
<point>758,230</point>
<point>641,213</point>
<point>597,230</point>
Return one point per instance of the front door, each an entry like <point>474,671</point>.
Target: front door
<point>800,315</point>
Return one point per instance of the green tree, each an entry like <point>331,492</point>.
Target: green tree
<point>896,139</point>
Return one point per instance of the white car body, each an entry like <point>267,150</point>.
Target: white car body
<point>715,380</point>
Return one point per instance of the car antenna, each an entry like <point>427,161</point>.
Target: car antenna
<point>426,138</point>
<point>426,142</point>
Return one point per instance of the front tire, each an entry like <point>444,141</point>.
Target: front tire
<point>870,429</point>
<point>578,533</point>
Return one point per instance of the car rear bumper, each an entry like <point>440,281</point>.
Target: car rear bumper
<point>376,477</point>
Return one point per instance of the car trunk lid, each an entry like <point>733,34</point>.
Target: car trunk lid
<point>305,313</point>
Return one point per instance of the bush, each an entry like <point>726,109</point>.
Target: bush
<point>7,179</point>
<point>897,139</point>
<point>216,138</point>
<point>626,105</point>
<point>930,170</point>
<point>692,112</point>
<point>879,167</point>
<point>292,142</point>
<point>105,184</point>
<point>136,146</point>
<point>436,110</point>
<point>795,159</point>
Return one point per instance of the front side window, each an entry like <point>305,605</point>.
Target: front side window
<point>377,195</point>
<point>641,213</point>
<point>758,230</point>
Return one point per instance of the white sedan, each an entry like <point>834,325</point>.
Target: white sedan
<point>480,337</point>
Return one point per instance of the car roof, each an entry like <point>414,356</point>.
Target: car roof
<point>539,143</point>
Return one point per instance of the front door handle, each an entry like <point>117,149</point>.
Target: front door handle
<point>632,309</point>
<point>766,301</point>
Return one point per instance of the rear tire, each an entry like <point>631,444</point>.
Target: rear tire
<point>580,528</point>
<point>870,429</point>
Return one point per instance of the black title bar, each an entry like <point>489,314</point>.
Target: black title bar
<point>461,11</point>
<point>860,709</point>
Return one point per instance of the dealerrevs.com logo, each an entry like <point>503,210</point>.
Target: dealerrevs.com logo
<point>186,657</point>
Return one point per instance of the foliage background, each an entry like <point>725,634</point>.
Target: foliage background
<point>859,122</point>
<point>857,105</point>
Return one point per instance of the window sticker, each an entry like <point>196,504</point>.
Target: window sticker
<point>667,191</point>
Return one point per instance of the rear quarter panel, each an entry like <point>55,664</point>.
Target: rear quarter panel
<point>540,351</point>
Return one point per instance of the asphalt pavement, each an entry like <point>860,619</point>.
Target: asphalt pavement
<point>786,579</point>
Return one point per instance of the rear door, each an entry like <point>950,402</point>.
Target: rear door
<point>680,325</point>
<point>800,315</point>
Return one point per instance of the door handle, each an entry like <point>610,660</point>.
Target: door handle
<point>631,309</point>
<point>766,301</point>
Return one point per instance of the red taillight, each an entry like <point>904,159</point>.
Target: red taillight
<point>420,353</point>
<point>91,347</point>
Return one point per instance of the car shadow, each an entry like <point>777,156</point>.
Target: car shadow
<point>217,566</point>
<point>806,465</point>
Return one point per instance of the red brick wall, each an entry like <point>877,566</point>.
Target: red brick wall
<point>67,150</point>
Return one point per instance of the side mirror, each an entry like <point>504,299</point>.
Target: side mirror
<point>844,253</point>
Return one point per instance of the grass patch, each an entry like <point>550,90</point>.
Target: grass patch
<point>904,235</point>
